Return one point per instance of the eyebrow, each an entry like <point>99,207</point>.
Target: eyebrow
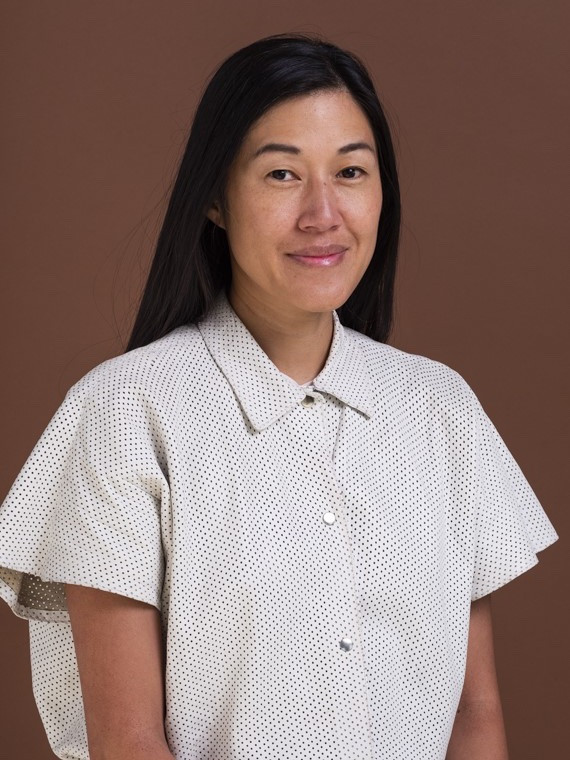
<point>284,148</point>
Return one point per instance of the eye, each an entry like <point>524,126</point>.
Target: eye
<point>348,173</point>
<point>278,174</point>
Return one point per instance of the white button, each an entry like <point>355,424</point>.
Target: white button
<point>308,401</point>
<point>329,517</point>
<point>346,644</point>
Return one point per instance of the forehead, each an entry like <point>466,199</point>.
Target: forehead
<point>319,118</point>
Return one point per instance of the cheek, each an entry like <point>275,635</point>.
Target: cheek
<point>364,216</point>
<point>261,216</point>
<point>374,209</point>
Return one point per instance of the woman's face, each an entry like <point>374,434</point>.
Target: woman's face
<point>303,200</point>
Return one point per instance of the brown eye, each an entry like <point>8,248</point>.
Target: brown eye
<point>351,170</point>
<point>278,174</point>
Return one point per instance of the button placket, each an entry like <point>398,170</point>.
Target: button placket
<point>346,642</point>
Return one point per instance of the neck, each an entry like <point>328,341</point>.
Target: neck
<point>297,343</point>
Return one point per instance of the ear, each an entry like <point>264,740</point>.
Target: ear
<point>215,215</point>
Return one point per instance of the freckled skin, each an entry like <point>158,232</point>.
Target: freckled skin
<point>280,202</point>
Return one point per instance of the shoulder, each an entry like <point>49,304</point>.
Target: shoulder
<point>415,379</point>
<point>152,375</point>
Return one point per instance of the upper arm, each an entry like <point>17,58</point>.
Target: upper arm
<point>479,729</point>
<point>480,685</point>
<point>120,660</point>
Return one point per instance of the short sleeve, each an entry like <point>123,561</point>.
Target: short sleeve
<point>511,525</point>
<point>88,505</point>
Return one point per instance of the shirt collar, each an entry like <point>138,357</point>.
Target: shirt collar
<point>263,391</point>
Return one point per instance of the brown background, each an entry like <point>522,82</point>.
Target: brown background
<point>97,100</point>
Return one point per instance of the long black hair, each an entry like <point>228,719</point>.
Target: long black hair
<point>192,262</point>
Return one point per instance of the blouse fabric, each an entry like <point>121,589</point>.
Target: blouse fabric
<point>313,551</point>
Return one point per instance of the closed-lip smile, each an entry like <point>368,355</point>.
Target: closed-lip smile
<point>319,256</point>
<point>319,251</point>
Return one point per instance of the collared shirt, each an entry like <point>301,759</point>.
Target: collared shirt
<point>313,551</point>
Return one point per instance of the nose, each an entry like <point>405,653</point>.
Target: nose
<point>319,208</point>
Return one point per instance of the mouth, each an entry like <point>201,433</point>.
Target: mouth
<point>326,255</point>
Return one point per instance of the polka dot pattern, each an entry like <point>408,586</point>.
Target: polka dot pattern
<point>313,550</point>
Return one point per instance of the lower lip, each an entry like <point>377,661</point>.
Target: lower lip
<point>319,261</point>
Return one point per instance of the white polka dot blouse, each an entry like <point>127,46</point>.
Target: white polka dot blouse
<point>313,550</point>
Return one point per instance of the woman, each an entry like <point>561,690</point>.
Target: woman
<point>262,532</point>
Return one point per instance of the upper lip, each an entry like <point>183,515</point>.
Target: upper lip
<point>319,250</point>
